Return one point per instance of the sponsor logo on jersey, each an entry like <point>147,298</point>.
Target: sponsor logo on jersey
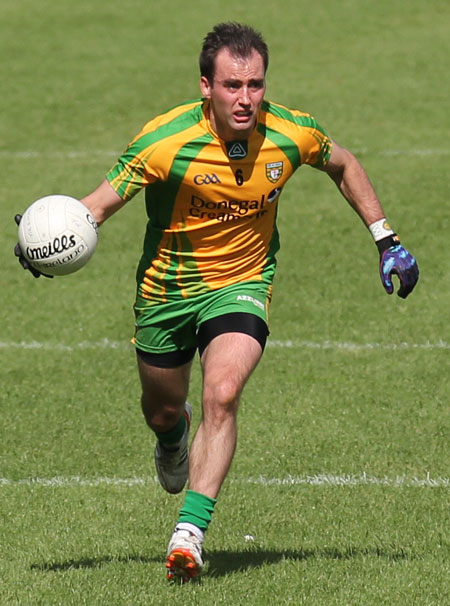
<point>274,194</point>
<point>250,300</point>
<point>237,149</point>
<point>274,170</point>
<point>227,210</point>
<point>206,179</point>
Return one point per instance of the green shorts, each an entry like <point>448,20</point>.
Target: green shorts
<point>173,326</point>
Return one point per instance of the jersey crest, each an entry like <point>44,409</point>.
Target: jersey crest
<point>274,171</point>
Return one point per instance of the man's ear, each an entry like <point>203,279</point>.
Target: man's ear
<point>205,87</point>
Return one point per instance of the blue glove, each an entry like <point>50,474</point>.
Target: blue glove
<point>394,259</point>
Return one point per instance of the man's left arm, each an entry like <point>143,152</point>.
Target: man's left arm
<point>353,183</point>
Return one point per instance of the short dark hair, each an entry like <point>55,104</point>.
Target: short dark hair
<point>240,39</point>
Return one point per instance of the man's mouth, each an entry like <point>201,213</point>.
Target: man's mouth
<point>243,116</point>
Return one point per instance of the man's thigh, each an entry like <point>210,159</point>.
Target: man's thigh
<point>163,386</point>
<point>227,362</point>
<point>168,334</point>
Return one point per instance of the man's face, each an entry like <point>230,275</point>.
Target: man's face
<point>236,94</point>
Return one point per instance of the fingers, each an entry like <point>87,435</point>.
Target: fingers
<point>18,250</point>
<point>397,260</point>
<point>24,263</point>
<point>386,269</point>
<point>408,281</point>
<point>36,273</point>
<point>388,286</point>
<point>407,277</point>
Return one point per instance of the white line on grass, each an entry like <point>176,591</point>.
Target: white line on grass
<point>322,479</point>
<point>29,154</point>
<point>356,346</point>
<point>101,344</point>
<point>333,345</point>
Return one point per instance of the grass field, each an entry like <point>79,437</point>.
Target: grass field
<point>339,492</point>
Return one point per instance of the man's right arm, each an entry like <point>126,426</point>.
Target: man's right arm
<point>103,202</point>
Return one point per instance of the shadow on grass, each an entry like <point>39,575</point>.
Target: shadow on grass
<point>221,563</point>
<point>225,562</point>
<point>97,562</point>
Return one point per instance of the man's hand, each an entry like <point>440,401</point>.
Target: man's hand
<point>18,252</point>
<point>397,260</point>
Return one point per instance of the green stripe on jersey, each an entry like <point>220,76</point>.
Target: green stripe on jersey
<point>307,121</point>
<point>160,199</point>
<point>282,112</point>
<point>287,145</point>
<point>160,196</point>
<point>268,271</point>
<point>175,126</point>
<point>139,146</point>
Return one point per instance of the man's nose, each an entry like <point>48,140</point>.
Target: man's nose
<point>244,96</point>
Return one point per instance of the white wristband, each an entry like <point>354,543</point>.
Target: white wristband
<point>380,229</point>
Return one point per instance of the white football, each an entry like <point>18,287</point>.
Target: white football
<point>58,235</point>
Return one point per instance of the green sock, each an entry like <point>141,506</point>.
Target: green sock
<point>197,509</point>
<point>174,435</point>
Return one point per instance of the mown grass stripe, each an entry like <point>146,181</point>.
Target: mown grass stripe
<point>322,479</point>
<point>288,344</point>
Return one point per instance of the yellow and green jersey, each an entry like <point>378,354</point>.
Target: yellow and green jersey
<point>211,204</point>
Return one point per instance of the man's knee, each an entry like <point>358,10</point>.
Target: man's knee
<point>164,392</point>
<point>161,416</point>
<point>221,398</point>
